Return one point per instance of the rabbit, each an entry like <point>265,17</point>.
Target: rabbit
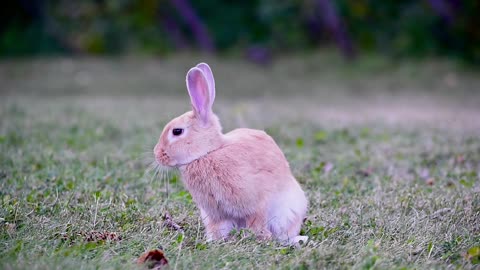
<point>240,179</point>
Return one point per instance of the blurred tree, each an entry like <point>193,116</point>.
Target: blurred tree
<point>399,28</point>
<point>197,27</point>
<point>331,19</point>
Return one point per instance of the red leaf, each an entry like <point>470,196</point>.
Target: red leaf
<point>153,259</point>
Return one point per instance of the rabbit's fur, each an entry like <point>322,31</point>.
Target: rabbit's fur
<point>240,179</point>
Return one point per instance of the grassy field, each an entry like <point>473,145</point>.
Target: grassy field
<point>388,154</point>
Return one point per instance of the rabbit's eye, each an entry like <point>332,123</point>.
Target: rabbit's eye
<point>177,131</point>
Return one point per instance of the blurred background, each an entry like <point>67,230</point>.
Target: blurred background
<point>258,30</point>
<point>399,59</point>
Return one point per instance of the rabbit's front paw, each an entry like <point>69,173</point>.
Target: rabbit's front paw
<point>300,239</point>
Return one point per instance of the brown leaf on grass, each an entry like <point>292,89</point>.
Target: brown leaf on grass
<point>95,236</point>
<point>153,259</point>
<point>92,236</point>
<point>169,223</point>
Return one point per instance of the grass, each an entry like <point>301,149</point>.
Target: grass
<point>389,159</point>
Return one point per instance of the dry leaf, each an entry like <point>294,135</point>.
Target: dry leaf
<point>153,259</point>
<point>92,236</point>
<point>95,236</point>
<point>168,222</point>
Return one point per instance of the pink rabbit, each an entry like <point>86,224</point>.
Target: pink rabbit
<point>238,180</point>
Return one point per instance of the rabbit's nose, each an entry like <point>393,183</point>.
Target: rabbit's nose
<point>160,155</point>
<point>157,149</point>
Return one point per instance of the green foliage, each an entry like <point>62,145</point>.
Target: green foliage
<point>398,28</point>
<point>474,254</point>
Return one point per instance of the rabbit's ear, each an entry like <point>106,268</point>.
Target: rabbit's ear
<point>207,71</point>
<point>197,86</point>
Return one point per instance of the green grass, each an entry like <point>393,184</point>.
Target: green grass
<point>392,176</point>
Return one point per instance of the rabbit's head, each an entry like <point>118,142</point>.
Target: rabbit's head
<point>197,132</point>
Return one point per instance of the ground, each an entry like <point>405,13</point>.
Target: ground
<point>388,154</point>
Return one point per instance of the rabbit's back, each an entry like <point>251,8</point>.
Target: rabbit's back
<point>258,153</point>
<point>255,145</point>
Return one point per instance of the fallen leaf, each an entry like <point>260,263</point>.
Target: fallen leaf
<point>153,259</point>
<point>92,236</point>
<point>95,236</point>
<point>169,223</point>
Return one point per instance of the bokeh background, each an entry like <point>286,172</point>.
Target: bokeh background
<point>259,29</point>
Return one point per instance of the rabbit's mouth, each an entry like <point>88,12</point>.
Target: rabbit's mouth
<point>164,159</point>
